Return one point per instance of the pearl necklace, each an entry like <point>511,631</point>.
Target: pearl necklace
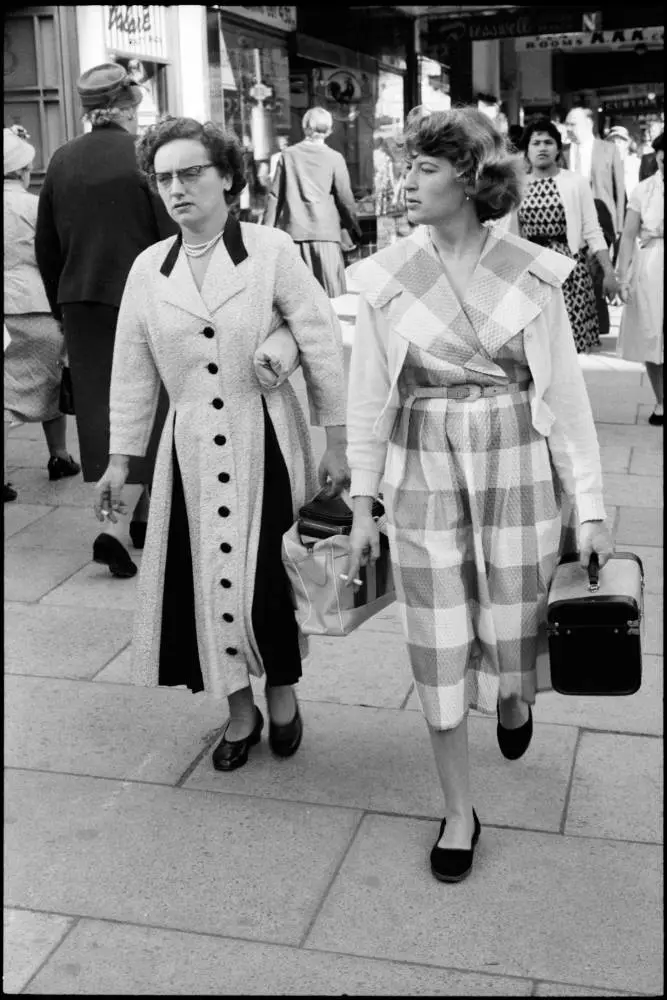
<point>199,249</point>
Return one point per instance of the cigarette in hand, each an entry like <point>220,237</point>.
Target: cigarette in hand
<point>344,576</point>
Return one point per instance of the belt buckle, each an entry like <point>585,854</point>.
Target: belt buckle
<point>473,392</point>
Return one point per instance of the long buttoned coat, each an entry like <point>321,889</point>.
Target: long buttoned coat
<point>201,345</point>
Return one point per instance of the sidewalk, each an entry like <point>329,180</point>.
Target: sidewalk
<point>132,867</point>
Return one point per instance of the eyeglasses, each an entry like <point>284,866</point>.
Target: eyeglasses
<point>187,175</point>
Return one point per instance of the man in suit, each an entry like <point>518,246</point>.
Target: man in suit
<point>311,196</point>
<point>96,214</point>
<point>600,163</point>
<point>648,166</point>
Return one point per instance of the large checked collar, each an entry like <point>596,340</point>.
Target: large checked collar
<point>232,238</point>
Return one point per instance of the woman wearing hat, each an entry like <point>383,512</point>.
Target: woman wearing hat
<point>34,354</point>
<point>641,274</point>
<point>96,215</point>
<point>627,150</point>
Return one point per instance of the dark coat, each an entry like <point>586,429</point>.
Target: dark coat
<point>648,166</point>
<point>607,180</point>
<point>96,215</point>
<point>311,194</point>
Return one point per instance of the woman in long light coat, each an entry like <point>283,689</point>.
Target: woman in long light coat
<point>641,270</point>
<point>468,405</point>
<point>234,463</point>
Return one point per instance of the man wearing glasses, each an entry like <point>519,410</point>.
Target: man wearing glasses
<point>96,214</point>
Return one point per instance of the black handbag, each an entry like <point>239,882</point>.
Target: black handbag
<point>594,623</point>
<point>324,516</point>
<point>66,400</point>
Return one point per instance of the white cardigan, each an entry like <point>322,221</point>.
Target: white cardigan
<point>581,217</point>
<point>391,307</point>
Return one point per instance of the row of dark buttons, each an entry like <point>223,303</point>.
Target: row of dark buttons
<point>223,477</point>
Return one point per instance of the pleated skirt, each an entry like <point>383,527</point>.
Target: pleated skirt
<point>32,370</point>
<point>326,262</point>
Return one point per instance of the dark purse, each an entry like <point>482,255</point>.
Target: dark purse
<point>66,400</point>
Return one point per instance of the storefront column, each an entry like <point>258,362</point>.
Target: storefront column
<point>194,95</point>
<point>411,88</point>
<point>92,42</point>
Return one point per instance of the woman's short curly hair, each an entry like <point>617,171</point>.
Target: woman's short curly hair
<point>491,175</point>
<point>223,147</point>
<point>540,125</point>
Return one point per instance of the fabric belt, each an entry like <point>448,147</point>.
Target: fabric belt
<point>468,391</point>
<point>651,241</point>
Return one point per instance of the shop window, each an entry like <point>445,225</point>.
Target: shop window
<point>152,78</point>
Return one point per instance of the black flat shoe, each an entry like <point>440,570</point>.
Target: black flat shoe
<point>284,740</point>
<point>58,468</point>
<point>9,493</point>
<point>108,551</point>
<point>230,754</point>
<point>513,743</point>
<point>655,420</point>
<point>449,864</point>
<point>138,533</point>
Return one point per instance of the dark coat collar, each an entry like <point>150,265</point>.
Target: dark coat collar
<point>232,238</point>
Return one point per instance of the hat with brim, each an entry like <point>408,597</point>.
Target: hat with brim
<point>618,132</point>
<point>17,153</point>
<point>107,86</point>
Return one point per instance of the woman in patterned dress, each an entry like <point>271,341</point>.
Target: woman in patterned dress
<point>558,212</point>
<point>466,400</point>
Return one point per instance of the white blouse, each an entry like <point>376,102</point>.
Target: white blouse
<point>648,200</point>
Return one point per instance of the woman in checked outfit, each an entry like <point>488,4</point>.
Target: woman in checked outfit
<point>467,402</point>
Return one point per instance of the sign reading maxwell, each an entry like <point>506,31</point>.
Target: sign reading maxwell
<point>283,18</point>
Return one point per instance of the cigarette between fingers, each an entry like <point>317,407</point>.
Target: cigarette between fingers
<point>344,576</point>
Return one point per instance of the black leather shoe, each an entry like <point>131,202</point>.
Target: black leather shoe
<point>284,740</point>
<point>513,743</point>
<point>108,551</point>
<point>58,468</point>
<point>230,754</point>
<point>138,533</point>
<point>655,420</point>
<point>449,864</point>
<point>9,493</point>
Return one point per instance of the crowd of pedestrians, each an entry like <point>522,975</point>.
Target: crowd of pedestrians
<point>466,404</point>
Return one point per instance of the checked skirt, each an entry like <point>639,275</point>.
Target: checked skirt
<point>475,529</point>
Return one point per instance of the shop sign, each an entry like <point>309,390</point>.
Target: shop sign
<point>516,25</point>
<point>590,40</point>
<point>283,18</point>
<point>136,28</point>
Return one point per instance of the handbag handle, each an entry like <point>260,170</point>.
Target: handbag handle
<point>594,573</point>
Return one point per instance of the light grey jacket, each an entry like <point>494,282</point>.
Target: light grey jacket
<point>255,277</point>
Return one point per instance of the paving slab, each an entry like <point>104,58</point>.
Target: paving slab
<point>624,490</point>
<point>652,635</point>
<point>18,515</point>
<point>30,575</point>
<point>644,463</point>
<point>110,959</point>
<point>34,486</point>
<point>639,526</point>
<point>382,760</point>
<point>633,436</point>
<point>608,410</point>
<point>23,452</point>
<point>118,670</point>
<point>615,459</point>
<point>536,905</point>
<point>646,408</point>
<point>567,990</point>
<point>617,788</point>
<point>640,713</point>
<point>95,587</point>
<point>107,731</point>
<point>166,857</point>
<point>364,668</point>
<point>28,938</point>
<point>653,563</point>
<point>64,528</point>
<point>62,641</point>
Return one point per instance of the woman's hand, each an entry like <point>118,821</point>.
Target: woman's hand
<point>610,285</point>
<point>334,471</point>
<point>624,291</point>
<point>594,536</point>
<point>364,545</point>
<point>109,490</point>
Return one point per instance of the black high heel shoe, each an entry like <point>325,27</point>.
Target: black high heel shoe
<point>108,551</point>
<point>230,754</point>
<point>513,743</point>
<point>449,864</point>
<point>285,740</point>
<point>138,533</point>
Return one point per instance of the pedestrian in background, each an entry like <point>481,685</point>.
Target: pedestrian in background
<point>467,401</point>
<point>558,212</point>
<point>599,162</point>
<point>34,355</point>
<point>310,198</point>
<point>96,214</point>
<point>235,462</point>
<point>641,273</point>
<point>627,150</point>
